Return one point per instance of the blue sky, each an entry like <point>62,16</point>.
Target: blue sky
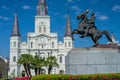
<point>107,18</point>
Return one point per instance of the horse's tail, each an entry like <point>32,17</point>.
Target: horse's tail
<point>107,35</point>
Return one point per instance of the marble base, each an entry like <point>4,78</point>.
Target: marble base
<point>92,61</point>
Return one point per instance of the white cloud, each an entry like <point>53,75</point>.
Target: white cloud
<point>74,7</point>
<point>116,8</point>
<point>15,5</point>
<point>26,7</point>
<point>4,7</point>
<point>4,18</point>
<point>70,1</point>
<point>103,17</point>
<point>94,1</point>
<point>77,9</point>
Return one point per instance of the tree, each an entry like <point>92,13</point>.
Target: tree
<point>50,62</point>
<point>37,64</point>
<point>26,60</point>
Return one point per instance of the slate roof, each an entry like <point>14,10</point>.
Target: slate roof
<point>15,29</point>
<point>42,8</point>
<point>68,30</point>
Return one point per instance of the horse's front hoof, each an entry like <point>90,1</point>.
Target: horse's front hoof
<point>95,45</point>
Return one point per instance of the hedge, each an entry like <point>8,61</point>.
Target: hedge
<point>115,76</point>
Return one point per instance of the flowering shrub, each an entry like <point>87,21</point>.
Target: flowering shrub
<point>23,78</point>
<point>115,76</point>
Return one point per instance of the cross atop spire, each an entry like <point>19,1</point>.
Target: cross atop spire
<point>68,26</point>
<point>42,8</point>
<point>15,30</point>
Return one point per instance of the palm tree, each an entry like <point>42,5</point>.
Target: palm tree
<point>26,60</point>
<point>50,62</point>
<point>37,63</point>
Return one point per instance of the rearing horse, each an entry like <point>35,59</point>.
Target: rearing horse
<point>85,30</point>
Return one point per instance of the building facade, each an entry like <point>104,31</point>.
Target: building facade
<point>41,42</point>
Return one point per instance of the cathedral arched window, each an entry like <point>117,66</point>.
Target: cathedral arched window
<point>60,59</point>
<point>42,46</point>
<point>31,44</point>
<point>44,29</point>
<point>52,44</point>
<point>40,29</point>
<point>69,44</point>
<point>65,44</point>
<point>18,44</point>
<point>14,44</point>
<point>14,59</point>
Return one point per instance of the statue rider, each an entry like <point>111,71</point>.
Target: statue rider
<point>85,27</point>
<point>91,21</point>
<point>90,24</point>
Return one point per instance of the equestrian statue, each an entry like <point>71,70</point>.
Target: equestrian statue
<point>87,28</point>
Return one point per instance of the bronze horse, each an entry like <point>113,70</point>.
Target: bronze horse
<point>86,30</point>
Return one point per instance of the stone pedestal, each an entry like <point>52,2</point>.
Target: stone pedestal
<point>92,61</point>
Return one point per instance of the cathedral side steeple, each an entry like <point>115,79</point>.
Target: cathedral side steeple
<point>15,29</point>
<point>42,8</point>
<point>68,39</point>
<point>15,48</point>
<point>68,27</point>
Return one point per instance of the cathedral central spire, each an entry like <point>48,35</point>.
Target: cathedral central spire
<point>42,8</point>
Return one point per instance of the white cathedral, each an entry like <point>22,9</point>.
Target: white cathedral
<point>41,42</point>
